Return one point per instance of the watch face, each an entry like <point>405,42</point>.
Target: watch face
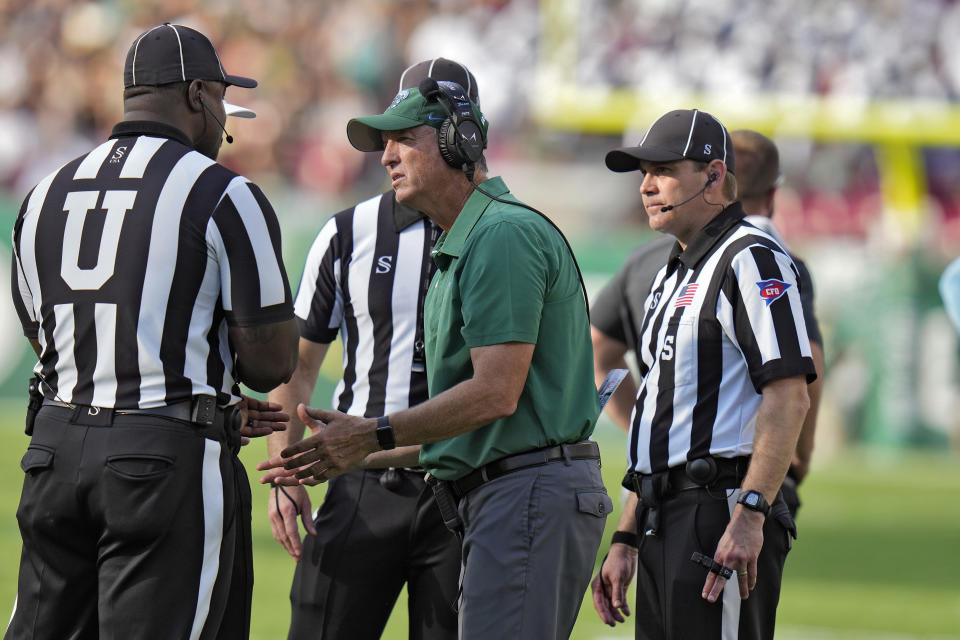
<point>752,499</point>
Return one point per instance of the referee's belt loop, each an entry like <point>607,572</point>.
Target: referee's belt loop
<point>203,410</point>
<point>650,487</point>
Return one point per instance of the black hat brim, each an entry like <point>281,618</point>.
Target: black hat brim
<point>240,81</point>
<point>629,158</point>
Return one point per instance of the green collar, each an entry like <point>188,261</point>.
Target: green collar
<point>450,243</point>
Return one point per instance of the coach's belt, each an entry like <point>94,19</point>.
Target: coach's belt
<point>202,410</point>
<point>586,450</point>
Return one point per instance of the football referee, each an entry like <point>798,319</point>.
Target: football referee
<point>725,360</point>
<point>148,279</point>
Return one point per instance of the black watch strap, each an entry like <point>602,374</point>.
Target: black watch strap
<point>754,501</point>
<point>385,433</point>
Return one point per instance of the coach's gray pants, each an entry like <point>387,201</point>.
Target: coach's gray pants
<point>529,546</point>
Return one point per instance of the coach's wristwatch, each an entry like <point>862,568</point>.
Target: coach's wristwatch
<point>754,501</point>
<point>385,433</point>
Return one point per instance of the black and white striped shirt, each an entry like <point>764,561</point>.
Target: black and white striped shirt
<point>366,277</point>
<point>130,264</point>
<point>723,319</point>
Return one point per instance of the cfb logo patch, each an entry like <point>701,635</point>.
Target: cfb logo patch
<point>772,289</point>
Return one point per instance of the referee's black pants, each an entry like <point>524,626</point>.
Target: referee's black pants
<point>370,541</point>
<point>135,529</point>
<point>669,606</point>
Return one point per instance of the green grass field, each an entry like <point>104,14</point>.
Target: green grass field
<point>878,554</point>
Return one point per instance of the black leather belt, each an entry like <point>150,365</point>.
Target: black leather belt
<point>703,473</point>
<point>727,474</point>
<point>586,450</point>
<point>202,410</point>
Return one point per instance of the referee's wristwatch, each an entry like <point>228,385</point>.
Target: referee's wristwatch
<point>385,433</point>
<point>754,501</point>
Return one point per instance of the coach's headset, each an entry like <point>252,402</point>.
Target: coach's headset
<point>462,141</point>
<point>461,138</point>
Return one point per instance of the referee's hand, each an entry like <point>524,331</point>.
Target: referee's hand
<point>738,549</point>
<point>283,507</point>
<point>610,584</point>
<point>260,418</point>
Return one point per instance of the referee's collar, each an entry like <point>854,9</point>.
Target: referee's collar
<point>129,128</point>
<point>708,237</point>
<point>404,216</point>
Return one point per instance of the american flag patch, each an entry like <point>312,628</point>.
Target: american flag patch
<point>685,299</point>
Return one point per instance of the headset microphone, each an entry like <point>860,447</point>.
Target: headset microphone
<point>670,207</point>
<point>204,105</point>
<point>430,90</point>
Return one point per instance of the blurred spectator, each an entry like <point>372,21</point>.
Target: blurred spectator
<point>950,292</point>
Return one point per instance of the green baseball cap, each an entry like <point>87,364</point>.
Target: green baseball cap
<point>409,109</point>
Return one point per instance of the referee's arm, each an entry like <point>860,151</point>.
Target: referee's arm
<point>780,417</point>
<point>609,354</point>
<point>266,353</point>
<point>804,452</point>
<point>782,410</point>
<point>282,510</point>
<point>616,572</point>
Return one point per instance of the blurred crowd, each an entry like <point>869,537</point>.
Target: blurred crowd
<point>320,62</point>
<point>861,48</point>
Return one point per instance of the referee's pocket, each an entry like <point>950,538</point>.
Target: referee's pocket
<point>37,459</point>
<point>139,466</point>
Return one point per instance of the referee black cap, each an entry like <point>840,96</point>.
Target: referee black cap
<point>175,53</point>
<point>683,134</point>
<point>441,69</point>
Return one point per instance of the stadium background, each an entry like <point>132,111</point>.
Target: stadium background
<point>860,95</point>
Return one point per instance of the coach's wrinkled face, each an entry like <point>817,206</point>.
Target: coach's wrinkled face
<point>417,170</point>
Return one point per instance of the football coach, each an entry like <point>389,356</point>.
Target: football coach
<point>510,374</point>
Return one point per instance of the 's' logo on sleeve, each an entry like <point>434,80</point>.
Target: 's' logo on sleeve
<point>772,289</point>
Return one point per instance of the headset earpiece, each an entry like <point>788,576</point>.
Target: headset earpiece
<point>460,142</point>
<point>460,138</point>
<point>713,178</point>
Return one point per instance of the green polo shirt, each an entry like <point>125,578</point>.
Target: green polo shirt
<point>504,274</point>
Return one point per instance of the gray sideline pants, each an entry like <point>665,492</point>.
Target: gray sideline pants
<point>529,545</point>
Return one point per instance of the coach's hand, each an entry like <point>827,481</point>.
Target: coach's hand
<point>610,584</point>
<point>283,507</point>
<point>339,443</point>
<point>260,418</point>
